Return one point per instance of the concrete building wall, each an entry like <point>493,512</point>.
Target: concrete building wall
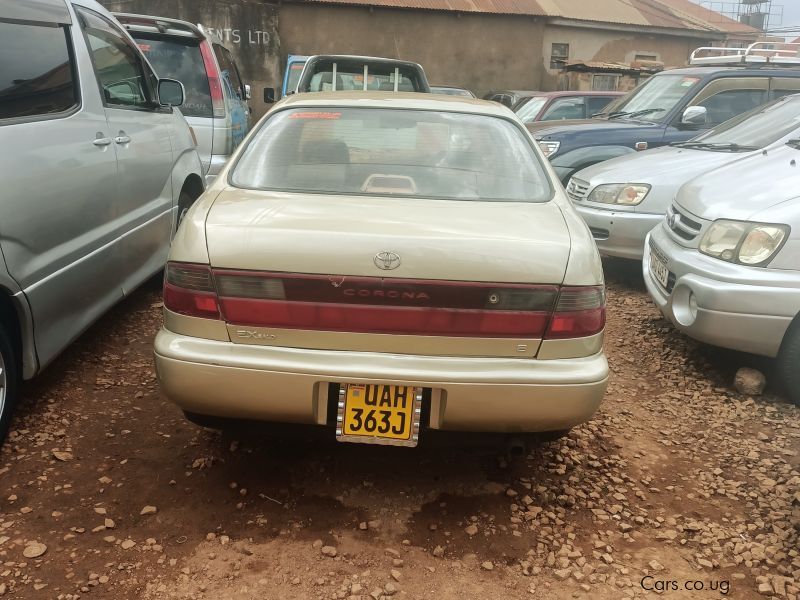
<point>595,44</point>
<point>479,52</point>
<point>249,29</point>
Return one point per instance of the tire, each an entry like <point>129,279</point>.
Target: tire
<point>9,382</point>
<point>789,362</point>
<point>208,422</point>
<point>552,436</point>
<point>185,202</point>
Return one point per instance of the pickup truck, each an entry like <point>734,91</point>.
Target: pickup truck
<point>324,73</point>
<point>672,106</point>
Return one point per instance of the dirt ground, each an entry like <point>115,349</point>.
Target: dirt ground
<point>679,487</point>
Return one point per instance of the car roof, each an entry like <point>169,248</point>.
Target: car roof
<point>161,25</point>
<point>767,71</point>
<point>517,92</point>
<point>42,11</point>
<point>400,100</point>
<point>581,93</point>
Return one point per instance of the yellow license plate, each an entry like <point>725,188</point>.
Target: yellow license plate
<point>379,414</point>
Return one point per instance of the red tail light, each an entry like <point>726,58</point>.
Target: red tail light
<point>189,290</point>
<point>377,305</point>
<point>214,79</point>
<point>580,312</point>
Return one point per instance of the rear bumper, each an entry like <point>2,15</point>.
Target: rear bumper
<point>266,383</point>
<point>618,233</point>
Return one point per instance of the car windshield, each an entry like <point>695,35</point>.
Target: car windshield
<point>528,111</point>
<point>758,128</point>
<point>180,59</point>
<point>392,152</point>
<point>655,98</point>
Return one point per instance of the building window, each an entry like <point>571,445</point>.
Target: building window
<point>647,57</point>
<point>559,55</point>
<point>605,83</point>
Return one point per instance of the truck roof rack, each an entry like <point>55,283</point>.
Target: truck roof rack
<point>758,54</point>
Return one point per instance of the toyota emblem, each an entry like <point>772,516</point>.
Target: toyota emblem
<point>673,220</point>
<point>387,261</point>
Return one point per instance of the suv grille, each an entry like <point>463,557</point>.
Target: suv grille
<point>682,225</point>
<point>577,190</point>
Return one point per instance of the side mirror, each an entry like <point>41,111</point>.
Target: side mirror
<point>695,115</point>
<point>170,92</point>
<point>269,95</point>
<point>248,93</point>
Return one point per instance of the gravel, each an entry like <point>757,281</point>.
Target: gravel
<point>682,475</point>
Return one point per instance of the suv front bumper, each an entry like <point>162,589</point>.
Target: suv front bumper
<point>270,383</point>
<point>721,303</point>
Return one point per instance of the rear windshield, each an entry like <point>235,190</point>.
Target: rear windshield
<point>760,127</point>
<point>180,59</point>
<point>351,77</point>
<point>390,152</point>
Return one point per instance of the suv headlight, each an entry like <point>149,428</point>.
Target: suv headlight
<point>549,148</point>
<point>743,242</point>
<point>625,194</point>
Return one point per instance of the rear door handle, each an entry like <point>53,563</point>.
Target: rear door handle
<point>102,141</point>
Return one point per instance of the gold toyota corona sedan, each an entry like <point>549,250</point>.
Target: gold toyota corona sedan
<point>385,264</point>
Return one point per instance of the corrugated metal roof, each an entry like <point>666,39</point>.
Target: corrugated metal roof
<point>717,20</point>
<point>508,7</point>
<point>671,14</point>
<point>645,13</point>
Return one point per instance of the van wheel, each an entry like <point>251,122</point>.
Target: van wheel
<point>9,377</point>
<point>185,202</point>
<point>788,361</point>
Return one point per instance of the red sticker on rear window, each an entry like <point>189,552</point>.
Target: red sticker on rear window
<point>324,116</point>
<point>689,81</point>
<point>144,47</point>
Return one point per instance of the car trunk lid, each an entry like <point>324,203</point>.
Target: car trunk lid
<point>514,242</point>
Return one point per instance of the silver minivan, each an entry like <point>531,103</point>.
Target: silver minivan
<point>96,163</point>
<point>724,265</point>
<point>216,98</point>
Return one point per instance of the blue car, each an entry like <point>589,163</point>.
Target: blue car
<point>294,67</point>
<point>672,106</point>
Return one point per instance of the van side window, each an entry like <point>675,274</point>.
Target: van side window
<point>116,62</point>
<point>36,71</point>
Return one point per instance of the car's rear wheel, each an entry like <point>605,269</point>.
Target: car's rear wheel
<point>789,361</point>
<point>8,382</point>
<point>552,436</point>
